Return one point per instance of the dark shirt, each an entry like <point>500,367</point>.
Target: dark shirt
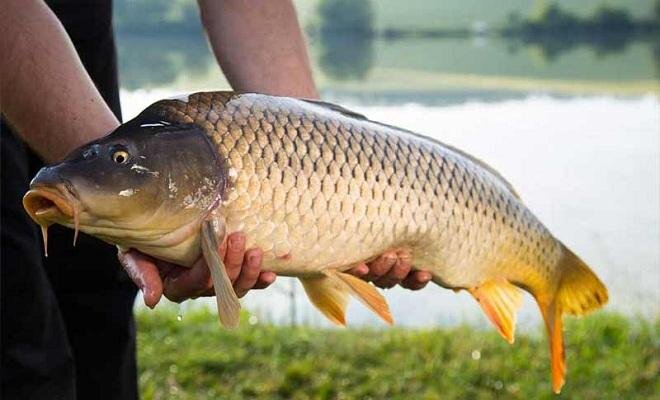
<point>66,321</point>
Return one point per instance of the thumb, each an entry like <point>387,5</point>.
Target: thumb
<point>143,271</point>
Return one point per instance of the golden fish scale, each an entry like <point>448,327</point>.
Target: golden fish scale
<point>316,188</point>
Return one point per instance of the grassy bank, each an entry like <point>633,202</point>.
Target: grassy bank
<point>608,357</point>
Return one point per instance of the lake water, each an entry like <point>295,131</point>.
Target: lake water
<point>576,131</point>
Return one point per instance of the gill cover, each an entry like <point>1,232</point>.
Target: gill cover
<point>148,178</point>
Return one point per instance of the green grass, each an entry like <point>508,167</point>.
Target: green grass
<point>609,356</point>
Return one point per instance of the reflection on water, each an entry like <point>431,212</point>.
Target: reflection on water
<point>435,70</point>
<point>162,59</point>
<point>346,58</point>
<point>576,133</point>
<point>485,67</point>
<point>602,46</point>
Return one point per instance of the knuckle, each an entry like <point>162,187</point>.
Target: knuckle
<point>400,271</point>
<point>390,261</point>
<point>385,283</point>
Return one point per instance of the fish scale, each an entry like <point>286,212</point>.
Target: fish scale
<point>318,188</point>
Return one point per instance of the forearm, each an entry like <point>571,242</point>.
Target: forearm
<point>45,92</point>
<point>259,46</point>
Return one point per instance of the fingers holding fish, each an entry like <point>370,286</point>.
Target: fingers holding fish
<point>243,267</point>
<point>156,278</point>
<point>266,278</point>
<point>234,251</point>
<point>380,266</point>
<point>184,283</point>
<point>416,280</point>
<point>396,274</point>
<point>249,272</point>
<point>390,269</point>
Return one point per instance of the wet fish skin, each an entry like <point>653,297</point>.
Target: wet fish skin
<point>318,187</point>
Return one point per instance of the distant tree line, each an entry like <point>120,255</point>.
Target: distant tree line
<point>553,20</point>
<point>554,31</point>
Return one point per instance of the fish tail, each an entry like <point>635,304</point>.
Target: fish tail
<point>579,292</point>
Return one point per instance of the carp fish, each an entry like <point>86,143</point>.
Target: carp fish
<point>320,189</point>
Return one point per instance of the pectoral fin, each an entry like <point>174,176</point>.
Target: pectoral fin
<point>229,307</point>
<point>329,293</point>
<point>500,301</point>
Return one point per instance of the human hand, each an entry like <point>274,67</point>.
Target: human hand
<point>390,269</point>
<point>157,278</point>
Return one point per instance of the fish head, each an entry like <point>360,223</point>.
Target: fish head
<point>138,186</point>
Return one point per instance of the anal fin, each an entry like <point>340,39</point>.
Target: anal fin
<point>500,301</point>
<point>229,308</point>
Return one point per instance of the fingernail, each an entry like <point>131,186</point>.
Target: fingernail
<point>269,277</point>
<point>362,270</point>
<point>145,299</point>
<point>425,277</point>
<point>236,243</point>
<point>254,259</point>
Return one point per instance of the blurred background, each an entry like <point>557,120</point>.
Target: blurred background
<point>562,97</point>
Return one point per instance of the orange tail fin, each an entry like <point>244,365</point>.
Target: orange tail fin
<point>553,324</point>
<point>579,292</point>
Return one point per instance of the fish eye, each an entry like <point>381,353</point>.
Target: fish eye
<point>120,156</point>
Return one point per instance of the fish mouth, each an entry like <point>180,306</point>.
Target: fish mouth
<point>47,205</point>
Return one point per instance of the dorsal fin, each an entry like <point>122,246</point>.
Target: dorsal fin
<point>352,114</point>
<point>337,108</point>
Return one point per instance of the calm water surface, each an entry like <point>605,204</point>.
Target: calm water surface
<point>577,135</point>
